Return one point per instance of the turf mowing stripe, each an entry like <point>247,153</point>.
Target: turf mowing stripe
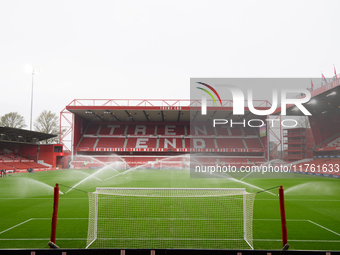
<point>42,239</point>
<point>61,218</point>
<point>260,199</point>
<point>159,219</point>
<point>324,227</point>
<point>280,240</point>
<point>280,219</point>
<point>174,239</point>
<point>15,226</point>
<point>49,198</point>
<point>83,239</point>
<point>304,200</point>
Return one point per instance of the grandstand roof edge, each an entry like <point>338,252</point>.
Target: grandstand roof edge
<point>86,107</point>
<point>318,95</point>
<point>131,102</point>
<point>17,132</point>
<point>151,102</point>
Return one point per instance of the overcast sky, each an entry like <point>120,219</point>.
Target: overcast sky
<point>150,49</point>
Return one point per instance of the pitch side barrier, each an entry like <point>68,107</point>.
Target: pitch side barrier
<point>161,252</point>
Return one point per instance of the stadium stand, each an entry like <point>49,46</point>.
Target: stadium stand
<point>92,129</point>
<point>329,166</point>
<point>230,143</point>
<point>141,129</point>
<point>171,143</point>
<point>112,130</point>
<point>12,161</point>
<point>114,142</point>
<point>253,143</point>
<point>165,138</point>
<point>334,143</point>
<point>87,142</point>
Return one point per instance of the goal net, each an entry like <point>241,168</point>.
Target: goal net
<point>155,218</point>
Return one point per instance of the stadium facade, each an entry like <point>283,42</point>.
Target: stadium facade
<point>145,131</point>
<point>141,131</point>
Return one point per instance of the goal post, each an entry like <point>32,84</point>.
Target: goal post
<point>55,213</point>
<point>166,218</point>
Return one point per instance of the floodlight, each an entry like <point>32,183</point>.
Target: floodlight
<point>331,94</point>
<point>28,68</point>
<point>33,70</point>
<point>313,101</point>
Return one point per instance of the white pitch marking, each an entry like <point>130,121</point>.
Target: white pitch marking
<point>161,219</point>
<point>15,226</point>
<point>304,200</point>
<point>37,219</point>
<point>260,199</point>
<point>280,219</point>
<point>42,239</point>
<point>324,227</point>
<point>312,241</point>
<point>82,239</point>
<point>61,218</point>
<point>16,198</point>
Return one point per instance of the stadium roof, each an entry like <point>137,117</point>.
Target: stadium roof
<point>324,100</point>
<point>154,110</point>
<point>17,135</point>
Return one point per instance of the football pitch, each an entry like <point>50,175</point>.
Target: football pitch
<point>26,203</point>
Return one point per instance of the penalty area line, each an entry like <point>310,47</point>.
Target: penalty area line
<point>21,223</point>
<point>15,226</point>
<point>324,227</point>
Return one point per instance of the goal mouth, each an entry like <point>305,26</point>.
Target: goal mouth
<point>170,218</point>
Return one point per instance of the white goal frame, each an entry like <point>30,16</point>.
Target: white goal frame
<point>247,203</point>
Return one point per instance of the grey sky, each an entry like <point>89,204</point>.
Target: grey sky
<point>150,49</point>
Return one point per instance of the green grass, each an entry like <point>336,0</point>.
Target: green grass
<point>26,201</point>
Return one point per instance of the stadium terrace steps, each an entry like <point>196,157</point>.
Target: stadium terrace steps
<point>319,166</point>
<point>140,130</point>
<point>87,142</point>
<point>142,142</point>
<point>11,161</point>
<point>236,132</point>
<point>104,142</point>
<point>168,142</point>
<point>162,161</point>
<point>167,136</point>
<point>253,143</point>
<point>300,161</point>
<point>92,129</point>
<point>165,129</point>
<point>230,143</point>
<point>334,143</point>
